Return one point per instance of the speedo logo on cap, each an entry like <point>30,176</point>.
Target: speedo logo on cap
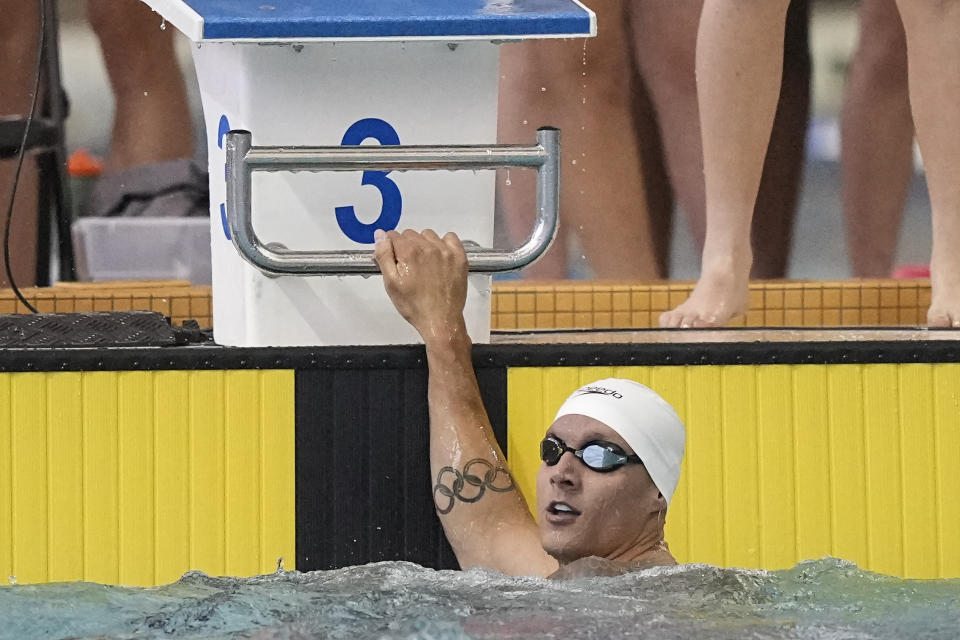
<point>599,391</point>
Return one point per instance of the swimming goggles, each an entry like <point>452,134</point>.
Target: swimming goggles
<point>598,455</point>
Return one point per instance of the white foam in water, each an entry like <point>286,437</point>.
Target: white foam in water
<point>826,598</point>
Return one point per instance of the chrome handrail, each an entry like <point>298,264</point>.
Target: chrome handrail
<point>274,259</point>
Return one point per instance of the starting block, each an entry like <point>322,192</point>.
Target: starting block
<point>383,91</point>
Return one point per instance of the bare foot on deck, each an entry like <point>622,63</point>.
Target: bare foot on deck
<point>944,308</point>
<point>721,293</point>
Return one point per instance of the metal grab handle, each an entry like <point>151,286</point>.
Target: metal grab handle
<point>243,159</point>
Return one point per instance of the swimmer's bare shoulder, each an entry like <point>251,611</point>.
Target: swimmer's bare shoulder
<point>596,567</point>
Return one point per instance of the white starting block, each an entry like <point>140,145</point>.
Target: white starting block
<point>378,86</point>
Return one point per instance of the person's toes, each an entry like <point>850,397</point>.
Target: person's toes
<point>939,318</point>
<point>703,323</point>
<point>670,319</point>
<point>692,319</point>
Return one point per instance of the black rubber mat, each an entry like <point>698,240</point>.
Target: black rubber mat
<point>103,329</point>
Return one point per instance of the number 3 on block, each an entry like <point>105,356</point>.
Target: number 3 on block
<point>390,211</point>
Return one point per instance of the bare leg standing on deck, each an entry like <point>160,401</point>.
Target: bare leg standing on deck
<point>603,197</point>
<point>779,194</point>
<point>665,37</point>
<point>152,119</point>
<point>877,141</point>
<point>739,69</point>
<point>19,34</point>
<point>665,41</point>
<point>933,49</point>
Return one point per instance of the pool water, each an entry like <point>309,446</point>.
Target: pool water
<point>826,598</point>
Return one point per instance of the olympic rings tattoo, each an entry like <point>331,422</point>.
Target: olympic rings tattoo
<point>477,485</point>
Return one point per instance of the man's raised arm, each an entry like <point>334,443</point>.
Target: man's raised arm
<point>484,516</point>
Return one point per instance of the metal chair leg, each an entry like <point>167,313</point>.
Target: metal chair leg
<point>56,110</point>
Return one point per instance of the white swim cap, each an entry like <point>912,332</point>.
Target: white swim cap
<point>642,418</point>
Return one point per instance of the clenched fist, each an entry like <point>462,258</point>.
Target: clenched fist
<point>426,278</point>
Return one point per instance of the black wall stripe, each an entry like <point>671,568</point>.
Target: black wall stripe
<point>206,357</point>
<point>362,467</point>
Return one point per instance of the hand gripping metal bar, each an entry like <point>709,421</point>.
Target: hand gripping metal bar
<point>243,159</point>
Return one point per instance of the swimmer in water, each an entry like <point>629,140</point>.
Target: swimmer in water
<point>610,460</point>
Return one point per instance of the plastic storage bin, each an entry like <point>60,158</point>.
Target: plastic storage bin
<point>143,249</point>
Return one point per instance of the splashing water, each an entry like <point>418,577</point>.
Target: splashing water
<point>819,599</point>
<point>583,73</point>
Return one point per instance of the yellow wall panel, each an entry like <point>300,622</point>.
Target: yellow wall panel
<point>847,463</point>
<point>28,448</point>
<point>705,469</point>
<point>277,470</point>
<point>242,472</point>
<point>557,385</point>
<point>525,402</point>
<point>789,462</point>
<point>6,483</point>
<point>811,461</point>
<point>207,465</point>
<point>917,440</point>
<point>121,477</point>
<point>172,465</point>
<point>946,392</point>
<point>101,466</point>
<point>884,488</point>
<point>738,431</point>
<point>65,464</point>
<point>592,374</point>
<point>670,382</point>
<point>136,477</point>
<point>776,469</point>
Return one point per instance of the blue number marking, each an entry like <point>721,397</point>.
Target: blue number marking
<point>392,206</point>
<point>223,129</point>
